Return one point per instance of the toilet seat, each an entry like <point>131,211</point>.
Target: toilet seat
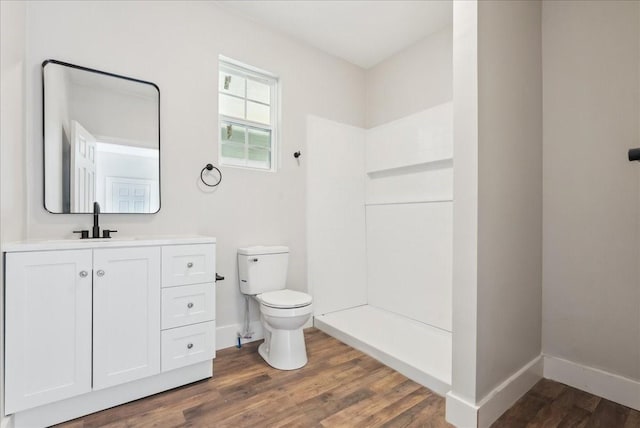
<point>284,299</point>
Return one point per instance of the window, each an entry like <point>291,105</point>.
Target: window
<point>247,102</point>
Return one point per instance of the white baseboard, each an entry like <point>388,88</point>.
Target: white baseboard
<point>227,335</point>
<point>6,421</point>
<point>498,401</point>
<point>597,382</point>
<point>462,413</point>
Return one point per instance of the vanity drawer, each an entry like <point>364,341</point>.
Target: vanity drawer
<point>188,264</point>
<point>192,344</point>
<point>188,304</point>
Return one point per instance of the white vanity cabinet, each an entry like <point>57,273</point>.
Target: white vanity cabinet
<point>90,325</point>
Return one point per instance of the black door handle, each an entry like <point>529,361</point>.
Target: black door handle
<point>634,154</point>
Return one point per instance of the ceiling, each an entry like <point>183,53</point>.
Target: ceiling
<point>362,32</point>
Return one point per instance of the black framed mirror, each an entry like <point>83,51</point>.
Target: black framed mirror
<point>101,141</point>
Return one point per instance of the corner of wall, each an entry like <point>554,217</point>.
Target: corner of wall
<point>465,190</point>
<point>462,413</point>
<point>12,146</point>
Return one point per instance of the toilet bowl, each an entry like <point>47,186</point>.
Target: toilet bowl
<point>284,346</point>
<point>283,312</point>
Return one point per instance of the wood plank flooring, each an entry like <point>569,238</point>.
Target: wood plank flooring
<point>552,404</point>
<point>339,387</point>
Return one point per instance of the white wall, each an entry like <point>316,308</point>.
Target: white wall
<point>509,189</point>
<point>12,140</point>
<point>415,79</point>
<point>176,45</point>
<point>336,235</point>
<point>591,278</point>
<point>497,208</point>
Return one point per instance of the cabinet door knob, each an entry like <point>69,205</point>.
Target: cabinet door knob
<point>190,264</point>
<point>189,305</point>
<point>83,274</point>
<point>189,345</point>
<point>100,272</point>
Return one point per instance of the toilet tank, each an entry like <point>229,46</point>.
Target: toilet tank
<point>262,269</point>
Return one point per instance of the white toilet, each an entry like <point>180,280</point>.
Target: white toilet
<point>283,313</point>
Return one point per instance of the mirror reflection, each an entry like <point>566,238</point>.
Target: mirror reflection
<point>101,141</point>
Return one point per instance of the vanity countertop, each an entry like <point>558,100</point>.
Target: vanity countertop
<point>115,242</point>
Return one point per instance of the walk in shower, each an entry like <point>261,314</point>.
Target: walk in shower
<point>380,239</point>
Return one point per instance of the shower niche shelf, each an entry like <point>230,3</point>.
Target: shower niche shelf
<point>430,164</point>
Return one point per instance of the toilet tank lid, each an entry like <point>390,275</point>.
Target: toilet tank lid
<point>261,249</point>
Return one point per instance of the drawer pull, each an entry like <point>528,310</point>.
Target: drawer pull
<point>190,345</point>
<point>100,273</point>
<point>83,274</point>
<point>189,305</point>
<point>190,265</point>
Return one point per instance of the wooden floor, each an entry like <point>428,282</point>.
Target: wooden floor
<point>552,404</point>
<point>339,387</point>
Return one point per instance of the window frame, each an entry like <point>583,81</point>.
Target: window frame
<point>255,74</point>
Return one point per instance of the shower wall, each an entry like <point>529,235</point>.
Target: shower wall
<point>336,241</point>
<point>379,201</point>
<point>409,197</point>
<point>379,206</point>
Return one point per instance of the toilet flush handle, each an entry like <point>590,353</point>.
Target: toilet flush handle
<point>254,259</point>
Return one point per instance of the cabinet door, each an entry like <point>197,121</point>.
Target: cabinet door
<point>126,315</point>
<point>48,327</point>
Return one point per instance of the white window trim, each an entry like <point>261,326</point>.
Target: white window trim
<point>254,73</point>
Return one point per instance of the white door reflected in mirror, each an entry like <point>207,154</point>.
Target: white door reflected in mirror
<point>83,168</point>
<point>120,177</point>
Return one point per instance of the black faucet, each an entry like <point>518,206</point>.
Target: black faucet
<point>95,233</point>
<point>96,223</point>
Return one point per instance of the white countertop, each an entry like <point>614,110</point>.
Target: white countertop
<point>115,242</point>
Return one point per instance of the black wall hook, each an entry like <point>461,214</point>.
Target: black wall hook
<point>210,167</point>
<point>297,154</point>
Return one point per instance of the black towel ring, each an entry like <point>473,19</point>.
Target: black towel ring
<point>210,167</point>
